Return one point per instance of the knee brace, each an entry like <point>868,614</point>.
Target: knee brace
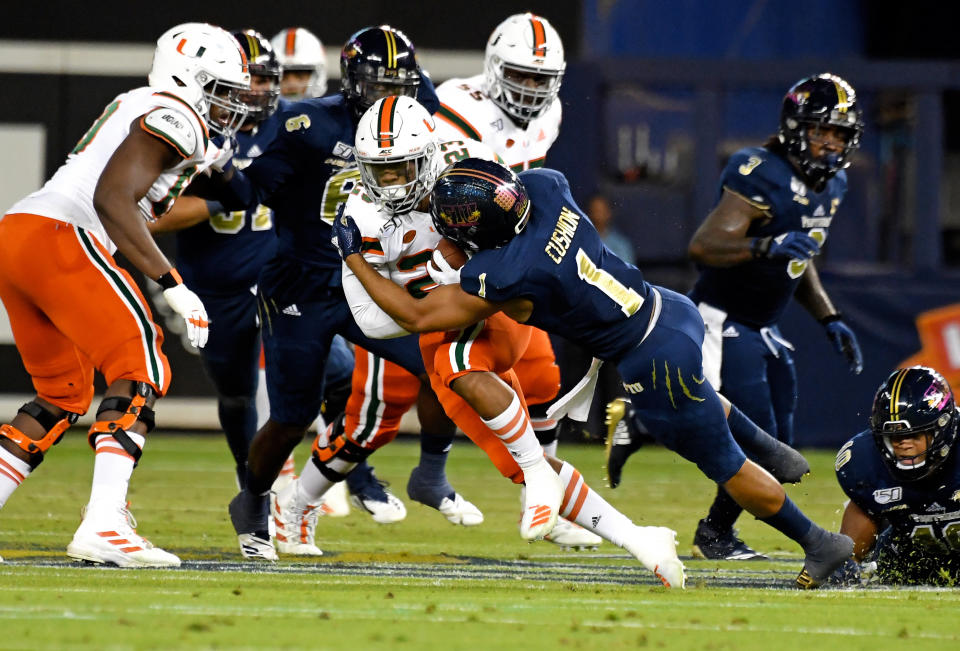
<point>340,455</point>
<point>36,448</point>
<point>134,409</point>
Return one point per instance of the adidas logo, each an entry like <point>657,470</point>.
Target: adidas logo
<point>730,331</point>
<point>595,520</point>
<point>292,310</point>
<point>934,508</point>
<point>254,151</point>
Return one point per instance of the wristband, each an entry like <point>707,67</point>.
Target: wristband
<point>760,246</point>
<point>170,279</point>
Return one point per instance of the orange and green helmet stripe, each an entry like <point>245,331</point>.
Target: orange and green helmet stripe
<point>385,119</point>
<point>539,37</point>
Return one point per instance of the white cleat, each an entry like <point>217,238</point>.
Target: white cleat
<point>335,503</point>
<point>108,535</point>
<point>460,511</point>
<point>570,535</point>
<point>295,524</point>
<point>287,474</point>
<point>384,509</point>
<point>656,548</point>
<point>256,548</point>
<point>542,495</point>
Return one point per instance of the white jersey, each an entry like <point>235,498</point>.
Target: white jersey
<point>68,195</point>
<point>467,112</point>
<point>397,246</point>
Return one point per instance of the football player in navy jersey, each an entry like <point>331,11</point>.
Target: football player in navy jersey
<point>537,258</point>
<point>302,304</point>
<point>755,251</point>
<point>221,252</point>
<point>903,480</point>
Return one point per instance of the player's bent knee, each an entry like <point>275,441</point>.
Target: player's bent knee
<point>54,426</point>
<point>134,409</point>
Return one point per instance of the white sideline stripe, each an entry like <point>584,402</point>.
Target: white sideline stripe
<point>174,413</point>
<point>134,59</point>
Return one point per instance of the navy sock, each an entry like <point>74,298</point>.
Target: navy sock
<point>791,521</point>
<point>435,443</point>
<point>748,435</point>
<point>723,512</point>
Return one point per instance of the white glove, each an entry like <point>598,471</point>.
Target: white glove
<point>188,305</point>
<point>440,270</point>
<point>224,156</point>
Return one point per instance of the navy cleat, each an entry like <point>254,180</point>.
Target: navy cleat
<point>722,546</point>
<point>823,557</point>
<point>622,441</point>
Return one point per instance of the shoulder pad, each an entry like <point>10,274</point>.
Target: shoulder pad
<point>173,127</point>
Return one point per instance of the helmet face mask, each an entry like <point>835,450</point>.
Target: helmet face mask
<point>264,94</point>
<point>205,66</point>
<point>377,62</point>
<point>523,66</point>
<point>396,149</point>
<point>301,52</point>
<point>914,403</point>
<point>822,103</point>
<point>479,204</point>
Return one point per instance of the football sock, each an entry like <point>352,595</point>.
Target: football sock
<point>545,428</point>
<point>112,468</point>
<point>754,440</point>
<point>12,473</point>
<point>723,512</point>
<point>238,418</point>
<point>792,523</point>
<point>312,484</point>
<point>583,505</point>
<point>513,428</point>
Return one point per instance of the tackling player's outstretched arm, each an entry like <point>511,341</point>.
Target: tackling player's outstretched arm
<point>126,179</point>
<point>721,240</point>
<point>860,527</point>
<point>445,308</point>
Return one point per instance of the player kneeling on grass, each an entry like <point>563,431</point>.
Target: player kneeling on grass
<point>903,480</point>
<point>540,261</point>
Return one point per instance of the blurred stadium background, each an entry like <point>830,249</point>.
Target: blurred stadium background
<point>656,95</point>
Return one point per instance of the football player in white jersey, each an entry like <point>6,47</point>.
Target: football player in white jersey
<point>401,239</point>
<point>304,63</point>
<point>512,107</point>
<point>73,310</point>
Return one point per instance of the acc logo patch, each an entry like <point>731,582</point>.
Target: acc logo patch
<point>887,495</point>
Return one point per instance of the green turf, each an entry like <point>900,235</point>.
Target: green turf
<point>180,494</point>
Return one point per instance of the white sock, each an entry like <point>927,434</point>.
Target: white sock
<point>584,506</point>
<point>550,449</point>
<point>312,485</point>
<point>12,473</point>
<point>112,468</point>
<point>513,428</point>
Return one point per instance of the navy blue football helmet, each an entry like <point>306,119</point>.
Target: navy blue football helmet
<point>479,204</point>
<point>813,102</point>
<point>262,102</point>
<point>377,62</point>
<point>912,401</point>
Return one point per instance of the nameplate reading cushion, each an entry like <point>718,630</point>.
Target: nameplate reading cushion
<point>173,127</point>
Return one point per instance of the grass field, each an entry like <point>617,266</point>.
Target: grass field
<point>424,584</point>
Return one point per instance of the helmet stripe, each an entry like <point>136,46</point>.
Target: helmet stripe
<point>483,176</point>
<point>842,101</point>
<point>895,395</point>
<point>254,46</point>
<point>391,48</point>
<point>290,44</point>
<point>539,37</point>
<point>385,122</point>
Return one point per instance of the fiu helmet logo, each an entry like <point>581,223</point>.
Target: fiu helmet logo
<point>505,198</point>
<point>460,215</point>
<point>935,397</point>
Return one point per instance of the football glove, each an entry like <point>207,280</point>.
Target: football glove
<point>844,341</point>
<point>440,270</point>
<point>794,245</point>
<point>346,236</point>
<point>224,159</point>
<point>188,305</point>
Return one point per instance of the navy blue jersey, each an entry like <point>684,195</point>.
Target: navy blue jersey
<point>579,289</point>
<point>758,291</point>
<point>224,254</point>
<point>923,513</point>
<point>314,141</point>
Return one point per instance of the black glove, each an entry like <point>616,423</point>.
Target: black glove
<point>844,341</point>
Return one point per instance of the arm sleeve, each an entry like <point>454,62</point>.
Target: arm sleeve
<point>373,321</point>
<point>427,93</point>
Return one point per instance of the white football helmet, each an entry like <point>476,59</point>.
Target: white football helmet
<point>397,137</point>
<point>300,50</point>
<point>524,65</point>
<point>204,65</point>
